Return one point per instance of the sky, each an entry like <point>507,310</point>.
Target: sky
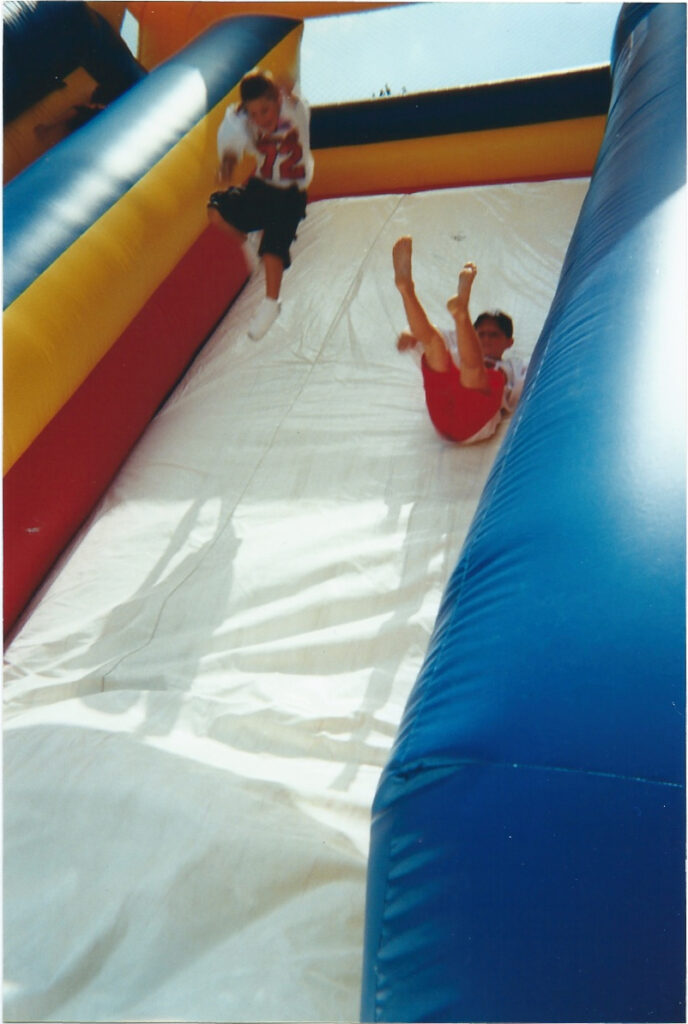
<point>422,46</point>
<point>415,47</point>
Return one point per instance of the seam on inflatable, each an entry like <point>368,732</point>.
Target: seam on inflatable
<point>442,767</point>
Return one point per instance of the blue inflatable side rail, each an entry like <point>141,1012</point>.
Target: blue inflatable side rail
<point>528,841</point>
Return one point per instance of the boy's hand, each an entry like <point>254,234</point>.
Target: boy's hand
<point>226,169</point>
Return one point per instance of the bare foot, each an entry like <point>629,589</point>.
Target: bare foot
<point>459,302</point>
<point>466,279</point>
<point>406,340</point>
<point>401,258</point>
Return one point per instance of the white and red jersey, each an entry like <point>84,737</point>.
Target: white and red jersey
<point>283,156</point>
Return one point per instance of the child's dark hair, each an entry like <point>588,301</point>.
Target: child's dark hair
<point>257,84</point>
<point>503,321</point>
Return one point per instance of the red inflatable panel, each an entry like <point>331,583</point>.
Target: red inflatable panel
<point>65,471</point>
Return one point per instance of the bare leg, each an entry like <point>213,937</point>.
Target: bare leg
<point>274,269</point>
<point>471,361</point>
<point>434,348</point>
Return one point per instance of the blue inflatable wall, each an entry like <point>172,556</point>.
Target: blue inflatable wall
<point>528,847</point>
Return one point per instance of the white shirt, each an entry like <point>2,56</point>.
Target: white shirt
<point>284,156</point>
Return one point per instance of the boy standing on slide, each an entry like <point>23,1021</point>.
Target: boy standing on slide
<point>272,125</point>
<point>468,398</point>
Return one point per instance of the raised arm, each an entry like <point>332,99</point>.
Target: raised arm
<point>226,169</point>
<point>231,145</point>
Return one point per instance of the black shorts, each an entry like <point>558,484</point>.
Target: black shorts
<point>257,206</point>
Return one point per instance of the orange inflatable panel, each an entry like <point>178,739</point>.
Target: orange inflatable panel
<point>165,28</point>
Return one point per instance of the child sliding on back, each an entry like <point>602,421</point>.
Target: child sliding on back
<point>272,125</point>
<point>466,396</point>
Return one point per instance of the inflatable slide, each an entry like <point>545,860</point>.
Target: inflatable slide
<point>224,561</point>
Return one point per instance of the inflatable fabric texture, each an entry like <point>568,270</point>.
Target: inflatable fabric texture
<point>528,842</point>
<point>111,283</point>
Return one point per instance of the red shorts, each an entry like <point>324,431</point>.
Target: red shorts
<point>458,412</point>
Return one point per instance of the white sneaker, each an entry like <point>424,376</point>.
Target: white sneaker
<point>263,318</point>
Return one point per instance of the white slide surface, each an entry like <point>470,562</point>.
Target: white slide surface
<point>200,702</point>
